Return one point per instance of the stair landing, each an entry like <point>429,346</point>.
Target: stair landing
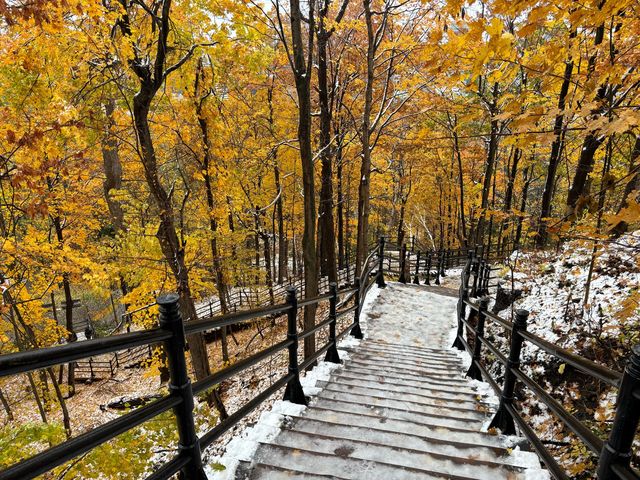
<point>398,408</point>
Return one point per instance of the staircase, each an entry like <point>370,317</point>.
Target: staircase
<point>398,408</point>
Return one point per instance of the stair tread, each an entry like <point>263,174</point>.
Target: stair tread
<point>381,392</point>
<point>421,418</point>
<point>399,385</point>
<point>339,465</point>
<point>432,365</point>
<point>401,457</point>
<point>427,444</point>
<point>400,404</point>
<point>406,375</point>
<point>392,422</point>
<point>448,375</point>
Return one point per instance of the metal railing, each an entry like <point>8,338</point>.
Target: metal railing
<point>171,334</point>
<point>614,454</point>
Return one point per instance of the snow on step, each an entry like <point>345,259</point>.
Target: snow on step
<point>382,436</point>
<point>418,399</point>
<point>422,426</point>
<point>398,408</point>
<point>428,391</point>
<point>401,414</point>
<point>400,457</point>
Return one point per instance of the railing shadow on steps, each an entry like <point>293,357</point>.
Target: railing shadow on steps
<point>171,334</point>
<point>615,454</point>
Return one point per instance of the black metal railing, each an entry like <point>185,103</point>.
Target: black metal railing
<point>171,334</point>
<point>614,454</point>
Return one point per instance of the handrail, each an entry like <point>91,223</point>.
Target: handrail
<point>22,362</point>
<point>316,328</point>
<point>314,300</point>
<point>607,375</point>
<point>594,443</point>
<point>220,321</point>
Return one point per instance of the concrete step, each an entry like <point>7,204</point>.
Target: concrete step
<point>451,361</point>
<point>333,465</point>
<point>421,398</point>
<point>441,355</point>
<point>401,347</point>
<point>402,363</point>
<point>385,413</point>
<point>426,371</point>
<point>399,379</point>
<point>403,422</point>
<point>271,472</point>
<point>405,385</point>
<point>451,446</point>
<point>368,449</point>
<point>380,401</point>
<point>406,374</point>
<point>428,391</point>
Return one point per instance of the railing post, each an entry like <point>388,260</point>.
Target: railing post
<point>356,331</point>
<point>617,449</point>
<point>437,282</point>
<point>293,392</point>
<point>403,264</point>
<point>474,371</point>
<point>481,273</point>
<point>503,419</point>
<point>462,306</point>
<point>332,354</point>
<point>487,277</point>
<point>180,386</point>
<point>380,274</point>
<point>442,268</point>
<point>428,275</point>
<point>416,278</point>
<point>475,268</point>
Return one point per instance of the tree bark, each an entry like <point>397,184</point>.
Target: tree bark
<point>68,309</point>
<point>364,186</point>
<point>590,144</point>
<point>326,230</point>
<point>489,167</point>
<point>302,70</point>
<point>556,152</point>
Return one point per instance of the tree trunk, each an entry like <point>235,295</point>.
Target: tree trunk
<point>282,234</point>
<point>326,231</point>
<point>527,173</point>
<point>364,186</point>
<point>302,69</point>
<point>340,213</point>
<point>556,152</point>
<point>489,168</point>
<point>458,154</point>
<point>68,311</point>
<point>576,199</point>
